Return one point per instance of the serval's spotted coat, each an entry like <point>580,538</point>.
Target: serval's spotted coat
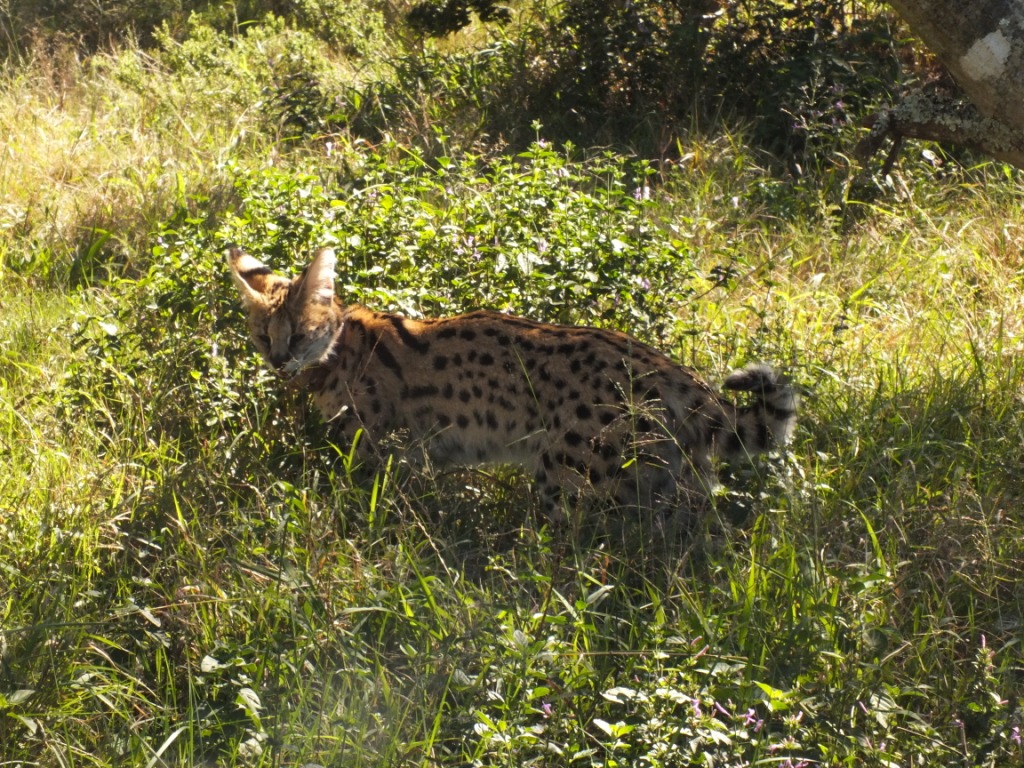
<point>585,410</point>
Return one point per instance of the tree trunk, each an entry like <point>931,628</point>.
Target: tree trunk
<point>981,43</point>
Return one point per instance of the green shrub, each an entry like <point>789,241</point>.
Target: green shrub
<point>352,28</point>
<point>803,73</point>
<point>443,17</point>
<point>536,235</point>
<point>640,74</point>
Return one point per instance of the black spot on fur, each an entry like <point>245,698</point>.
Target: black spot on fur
<point>248,274</point>
<point>407,337</point>
<point>387,359</point>
<point>425,390</point>
<point>568,461</point>
<point>778,413</point>
<point>763,435</point>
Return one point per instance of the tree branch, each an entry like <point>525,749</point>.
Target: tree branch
<point>936,115</point>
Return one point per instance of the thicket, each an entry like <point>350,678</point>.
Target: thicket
<point>633,73</point>
<point>353,29</point>
<point>638,74</point>
<point>218,82</point>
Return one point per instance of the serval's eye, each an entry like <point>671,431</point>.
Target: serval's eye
<point>296,338</point>
<point>263,339</point>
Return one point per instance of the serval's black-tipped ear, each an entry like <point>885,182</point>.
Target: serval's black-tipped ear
<point>318,279</point>
<point>250,275</point>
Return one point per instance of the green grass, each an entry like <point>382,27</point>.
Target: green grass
<point>190,576</point>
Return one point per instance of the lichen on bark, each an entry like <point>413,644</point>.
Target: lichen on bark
<point>982,46</point>
<point>937,115</point>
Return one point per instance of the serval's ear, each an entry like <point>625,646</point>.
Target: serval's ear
<point>317,282</point>
<point>252,277</point>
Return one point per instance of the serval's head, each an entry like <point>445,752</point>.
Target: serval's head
<point>294,321</point>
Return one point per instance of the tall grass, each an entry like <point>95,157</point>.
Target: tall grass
<point>192,576</point>
<point>100,149</point>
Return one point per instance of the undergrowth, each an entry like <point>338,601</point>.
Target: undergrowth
<point>190,574</point>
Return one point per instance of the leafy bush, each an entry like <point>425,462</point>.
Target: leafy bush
<point>90,25</point>
<point>639,74</point>
<point>803,73</point>
<point>533,234</point>
<point>572,242</point>
<point>352,28</point>
<point>442,17</point>
<point>641,58</point>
